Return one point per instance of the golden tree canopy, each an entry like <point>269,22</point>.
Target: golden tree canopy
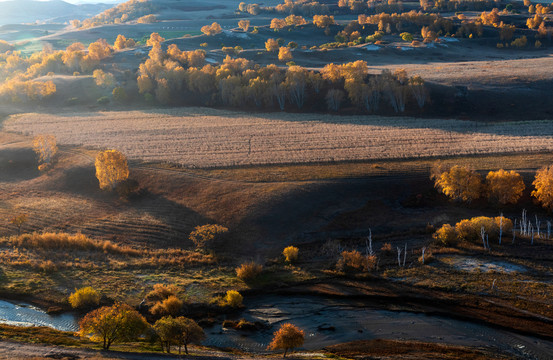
<point>109,324</point>
<point>204,234</point>
<point>459,183</point>
<point>45,146</point>
<point>284,54</point>
<point>286,338</point>
<point>111,168</point>
<point>505,186</point>
<point>543,184</point>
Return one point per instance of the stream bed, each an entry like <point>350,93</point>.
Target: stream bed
<point>328,322</point>
<point>325,322</point>
<point>21,314</point>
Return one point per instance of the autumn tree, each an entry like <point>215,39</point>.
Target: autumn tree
<point>287,338</point>
<point>244,25</point>
<point>103,79</point>
<point>179,331</point>
<point>323,21</point>
<point>334,98</point>
<point>284,54</point>
<point>418,89</point>
<point>203,235</point>
<point>459,183</point>
<point>290,253</point>
<point>110,324</point>
<point>296,81</point>
<point>504,186</point>
<point>111,168</point>
<point>45,146</point>
<point>18,220</point>
<point>277,24</point>
<point>122,43</point>
<point>155,39</point>
<point>212,29</point>
<point>543,184</point>
<point>271,45</point>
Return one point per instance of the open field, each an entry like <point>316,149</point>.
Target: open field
<point>205,138</point>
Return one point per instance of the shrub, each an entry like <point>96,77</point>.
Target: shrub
<point>233,298</point>
<point>161,292</point>
<point>290,253</point>
<point>387,248</point>
<point>204,235</point>
<point>84,298</point>
<point>170,306</point>
<point>445,235</point>
<point>249,271</point>
<point>469,229</point>
<point>406,36</point>
<point>352,261</point>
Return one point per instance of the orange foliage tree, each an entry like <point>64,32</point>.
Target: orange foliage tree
<point>110,324</point>
<point>111,168</point>
<point>459,183</point>
<point>543,184</point>
<point>45,146</point>
<point>504,186</point>
<point>212,29</point>
<point>287,338</point>
<point>205,234</point>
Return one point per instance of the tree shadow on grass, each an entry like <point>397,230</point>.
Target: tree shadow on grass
<point>18,164</point>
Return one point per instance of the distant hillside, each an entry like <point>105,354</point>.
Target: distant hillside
<point>29,11</point>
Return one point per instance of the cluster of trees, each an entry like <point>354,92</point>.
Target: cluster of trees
<point>240,82</point>
<point>121,323</point>
<point>18,72</point>
<point>473,230</point>
<point>140,10</point>
<point>504,187</point>
<point>296,7</point>
<point>358,6</point>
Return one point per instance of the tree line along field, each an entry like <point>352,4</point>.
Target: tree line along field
<point>205,138</point>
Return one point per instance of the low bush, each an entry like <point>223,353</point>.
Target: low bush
<point>233,298</point>
<point>446,235</point>
<point>84,298</point>
<point>170,306</point>
<point>290,254</point>
<point>249,271</point>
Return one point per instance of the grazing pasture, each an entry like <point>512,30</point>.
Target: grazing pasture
<point>207,138</point>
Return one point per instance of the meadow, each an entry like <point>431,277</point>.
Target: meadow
<point>208,138</point>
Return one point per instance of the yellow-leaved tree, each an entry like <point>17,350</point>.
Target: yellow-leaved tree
<point>110,324</point>
<point>286,338</point>
<point>544,187</point>
<point>505,186</point>
<point>205,234</point>
<point>45,146</point>
<point>111,168</point>
<point>284,54</point>
<point>459,183</point>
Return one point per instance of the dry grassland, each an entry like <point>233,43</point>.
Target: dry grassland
<point>206,138</point>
